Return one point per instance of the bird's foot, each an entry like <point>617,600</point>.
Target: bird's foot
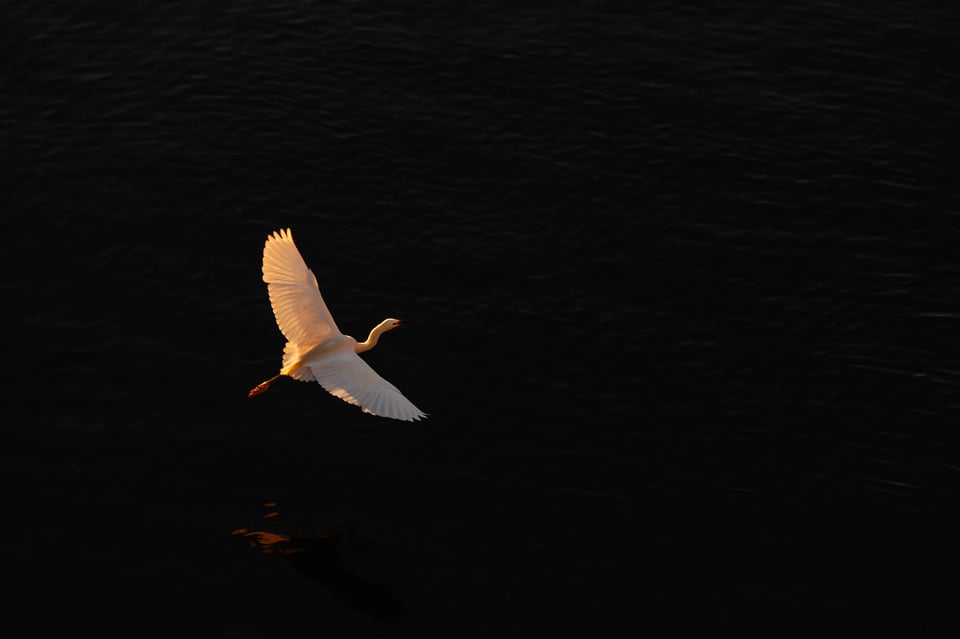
<point>258,390</point>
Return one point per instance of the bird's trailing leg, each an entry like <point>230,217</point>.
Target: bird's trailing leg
<point>262,387</point>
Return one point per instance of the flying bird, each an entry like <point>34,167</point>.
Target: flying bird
<point>316,350</point>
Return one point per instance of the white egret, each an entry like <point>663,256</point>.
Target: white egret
<point>316,350</point>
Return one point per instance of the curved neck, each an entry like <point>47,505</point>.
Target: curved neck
<point>373,338</point>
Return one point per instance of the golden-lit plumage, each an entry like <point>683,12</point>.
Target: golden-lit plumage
<point>316,350</point>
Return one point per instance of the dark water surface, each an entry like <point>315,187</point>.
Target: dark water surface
<point>685,299</point>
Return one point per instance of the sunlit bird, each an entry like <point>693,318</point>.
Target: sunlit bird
<point>316,350</point>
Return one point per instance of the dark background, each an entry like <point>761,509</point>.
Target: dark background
<point>684,294</point>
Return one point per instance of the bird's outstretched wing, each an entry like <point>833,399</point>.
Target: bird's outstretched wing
<point>345,375</point>
<point>301,313</point>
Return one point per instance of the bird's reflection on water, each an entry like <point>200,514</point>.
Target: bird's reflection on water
<point>323,558</point>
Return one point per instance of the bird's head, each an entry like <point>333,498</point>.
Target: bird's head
<point>391,323</point>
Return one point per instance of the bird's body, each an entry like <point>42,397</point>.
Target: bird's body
<point>316,350</point>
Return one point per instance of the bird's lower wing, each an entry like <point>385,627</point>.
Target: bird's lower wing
<point>348,377</point>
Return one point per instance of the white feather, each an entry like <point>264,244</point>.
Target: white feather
<point>316,350</point>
